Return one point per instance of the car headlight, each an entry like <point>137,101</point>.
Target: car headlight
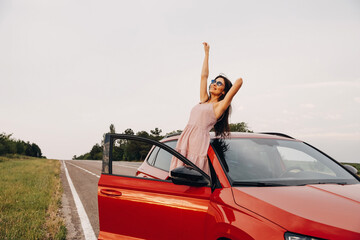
<point>293,236</point>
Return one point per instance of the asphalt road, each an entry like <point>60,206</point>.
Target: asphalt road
<point>84,176</point>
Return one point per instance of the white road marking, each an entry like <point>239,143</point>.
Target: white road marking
<point>120,164</point>
<point>127,164</point>
<point>85,170</point>
<point>85,223</point>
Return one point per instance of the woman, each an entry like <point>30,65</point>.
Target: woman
<point>212,111</point>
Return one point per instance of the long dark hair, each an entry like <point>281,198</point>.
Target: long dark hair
<point>221,127</point>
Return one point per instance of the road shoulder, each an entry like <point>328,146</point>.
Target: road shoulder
<point>72,220</point>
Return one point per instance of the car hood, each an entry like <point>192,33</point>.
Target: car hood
<point>325,211</point>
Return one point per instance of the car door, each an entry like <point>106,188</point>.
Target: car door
<point>142,208</point>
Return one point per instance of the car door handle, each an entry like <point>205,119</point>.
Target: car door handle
<point>110,192</point>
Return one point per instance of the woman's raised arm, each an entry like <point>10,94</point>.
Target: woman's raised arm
<point>225,103</point>
<point>204,74</point>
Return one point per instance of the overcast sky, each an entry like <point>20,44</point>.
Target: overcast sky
<point>68,69</point>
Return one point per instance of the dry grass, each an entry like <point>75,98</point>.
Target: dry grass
<point>54,222</point>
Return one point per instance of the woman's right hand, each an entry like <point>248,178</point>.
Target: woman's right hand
<point>206,47</point>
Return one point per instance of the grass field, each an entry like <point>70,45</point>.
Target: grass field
<point>30,199</point>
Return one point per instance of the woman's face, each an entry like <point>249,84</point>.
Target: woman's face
<point>215,89</point>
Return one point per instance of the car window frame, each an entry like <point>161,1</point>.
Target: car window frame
<point>157,154</point>
<point>152,151</point>
<point>215,180</point>
<point>108,147</point>
<point>221,161</point>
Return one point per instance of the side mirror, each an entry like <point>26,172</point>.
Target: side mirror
<point>185,175</point>
<point>351,168</point>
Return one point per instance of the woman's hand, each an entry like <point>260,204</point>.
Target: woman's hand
<point>206,47</point>
<point>239,82</point>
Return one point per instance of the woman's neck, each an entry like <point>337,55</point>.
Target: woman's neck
<point>213,99</point>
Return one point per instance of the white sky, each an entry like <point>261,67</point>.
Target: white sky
<point>68,69</point>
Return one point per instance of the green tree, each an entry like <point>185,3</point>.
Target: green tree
<point>135,150</point>
<point>156,134</point>
<point>12,146</point>
<point>239,127</point>
<point>118,153</point>
<point>112,128</point>
<point>143,134</point>
<point>143,148</point>
<point>20,147</point>
<point>28,149</point>
<point>6,144</point>
<point>2,149</point>
<point>96,152</point>
<point>122,142</point>
<point>129,131</point>
<point>35,150</point>
<point>174,132</point>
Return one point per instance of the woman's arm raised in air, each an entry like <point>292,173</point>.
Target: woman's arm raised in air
<point>225,103</point>
<point>204,74</point>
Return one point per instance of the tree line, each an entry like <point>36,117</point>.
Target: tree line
<point>9,145</point>
<point>125,150</point>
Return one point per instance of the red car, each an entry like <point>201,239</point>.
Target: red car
<point>262,186</point>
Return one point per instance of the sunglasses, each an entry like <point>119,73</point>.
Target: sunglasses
<point>218,83</point>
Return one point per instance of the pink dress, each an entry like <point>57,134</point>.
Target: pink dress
<point>194,141</point>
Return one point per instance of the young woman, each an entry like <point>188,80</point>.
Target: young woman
<point>212,112</point>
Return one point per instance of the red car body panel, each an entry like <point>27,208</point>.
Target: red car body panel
<point>227,219</point>
<point>184,212</point>
<point>298,206</point>
<point>149,203</point>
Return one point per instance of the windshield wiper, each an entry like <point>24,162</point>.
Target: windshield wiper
<point>339,183</point>
<point>257,184</point>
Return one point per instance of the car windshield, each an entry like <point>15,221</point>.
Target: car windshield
<point>272,162</point>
